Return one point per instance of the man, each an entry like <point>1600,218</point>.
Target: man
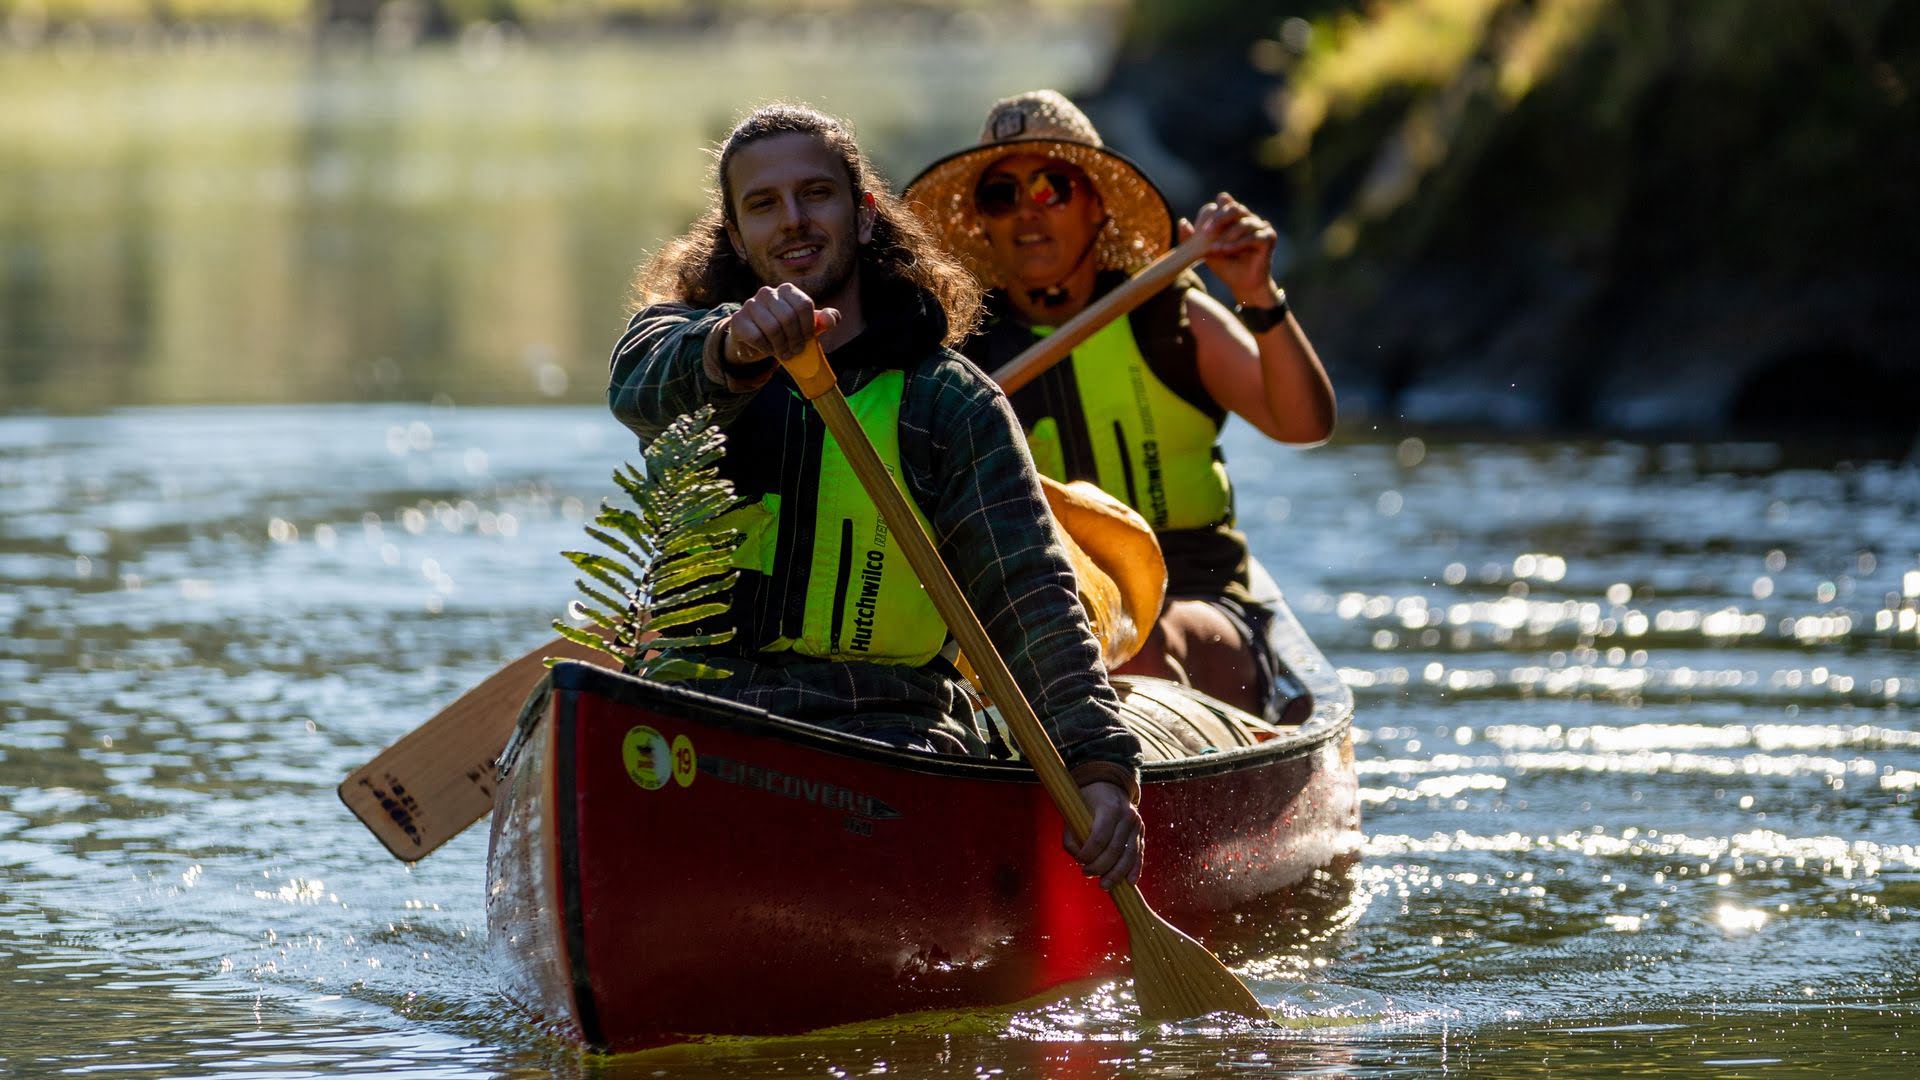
<point>1050,220</point>
<point>831,626</point>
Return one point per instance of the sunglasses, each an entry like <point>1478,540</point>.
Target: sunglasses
<point>999,195</point>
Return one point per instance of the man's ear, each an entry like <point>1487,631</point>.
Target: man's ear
<point>733,238</point>
<point>868,216</point>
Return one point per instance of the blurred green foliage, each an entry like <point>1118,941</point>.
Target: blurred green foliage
<point>217,220</point>
<point>1213,25</point>
<point>1434,121</point>
<point>28,20</point>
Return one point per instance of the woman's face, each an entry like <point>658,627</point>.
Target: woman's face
<point>1039,214</point>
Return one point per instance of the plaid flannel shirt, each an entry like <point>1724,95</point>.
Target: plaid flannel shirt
<point>966,466</point>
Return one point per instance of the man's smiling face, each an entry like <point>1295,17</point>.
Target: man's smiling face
<point>796,217</point>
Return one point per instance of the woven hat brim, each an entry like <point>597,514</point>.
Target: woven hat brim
<point>1141,228</point>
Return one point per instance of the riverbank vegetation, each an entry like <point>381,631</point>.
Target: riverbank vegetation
<point>231,221</point>
<point>1621,214</point>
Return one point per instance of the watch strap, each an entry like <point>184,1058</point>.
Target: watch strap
<point>1262,319</point>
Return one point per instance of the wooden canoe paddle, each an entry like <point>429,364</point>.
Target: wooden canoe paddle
<point>435,782</point>
<point>1174,976</point>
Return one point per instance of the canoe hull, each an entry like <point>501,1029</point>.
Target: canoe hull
<point>665,863</point>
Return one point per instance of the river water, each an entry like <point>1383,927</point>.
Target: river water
<point>1636,723</point>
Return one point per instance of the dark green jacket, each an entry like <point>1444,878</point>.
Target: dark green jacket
<point>967,469</point>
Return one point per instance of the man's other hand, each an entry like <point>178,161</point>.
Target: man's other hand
<point>1116,843</point>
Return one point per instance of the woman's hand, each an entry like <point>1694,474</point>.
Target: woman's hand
<point>1115,844</point>
<point>1240,251</point>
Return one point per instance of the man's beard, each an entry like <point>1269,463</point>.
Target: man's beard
<point>820,285</point>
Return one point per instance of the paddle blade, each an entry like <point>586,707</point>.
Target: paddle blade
<point>1174,976</point>
<point>427,788</point>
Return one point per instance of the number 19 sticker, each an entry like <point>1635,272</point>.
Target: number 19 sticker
<point>684,760</point>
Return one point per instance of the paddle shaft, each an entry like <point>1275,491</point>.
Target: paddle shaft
<point>816,381</point>
<point>1174,976</point>
<point>1055,347</point>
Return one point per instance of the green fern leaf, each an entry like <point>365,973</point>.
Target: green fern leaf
<point>612,542</point>
<point>627,522</point>
<point>677,669</point>
<point>707,540</point>
<point>609,572</point>
<point>579,637</point>
<point>690,641</point>
<point>622,605</point>
<point>710,587</point>
<point>682,616</point>
<point>692,568</point>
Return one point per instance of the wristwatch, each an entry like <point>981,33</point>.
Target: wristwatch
<point>1262,319</point>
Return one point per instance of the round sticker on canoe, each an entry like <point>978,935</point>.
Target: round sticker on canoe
<point>684,760</point>
<point>648,762</point>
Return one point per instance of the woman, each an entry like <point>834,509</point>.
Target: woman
<point>1050,220</point>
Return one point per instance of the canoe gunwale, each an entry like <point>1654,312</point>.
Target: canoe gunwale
<point>1331,720</point>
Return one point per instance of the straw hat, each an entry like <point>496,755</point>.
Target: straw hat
<point>1140,226</point>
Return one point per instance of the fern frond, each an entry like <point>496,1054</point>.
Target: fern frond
<point>579,637</point>
<point>626,522</point>
<point>612,542</point>
<point>619,606</point>
<point>684,571</point>
<point>693,543</point>
<point>609,572</point>
<point>676,669</point>
<point>669,564</point>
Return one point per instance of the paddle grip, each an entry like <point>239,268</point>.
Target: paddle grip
<point>810,370</point>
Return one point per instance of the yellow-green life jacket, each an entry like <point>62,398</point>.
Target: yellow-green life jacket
<point>821,576</point>
<point>1109,418</point>
<point>1143,373</point>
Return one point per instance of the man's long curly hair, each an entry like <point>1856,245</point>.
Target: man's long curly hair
<point>701,268</point>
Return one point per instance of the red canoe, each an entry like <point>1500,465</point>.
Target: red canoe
<point>665,863</point>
